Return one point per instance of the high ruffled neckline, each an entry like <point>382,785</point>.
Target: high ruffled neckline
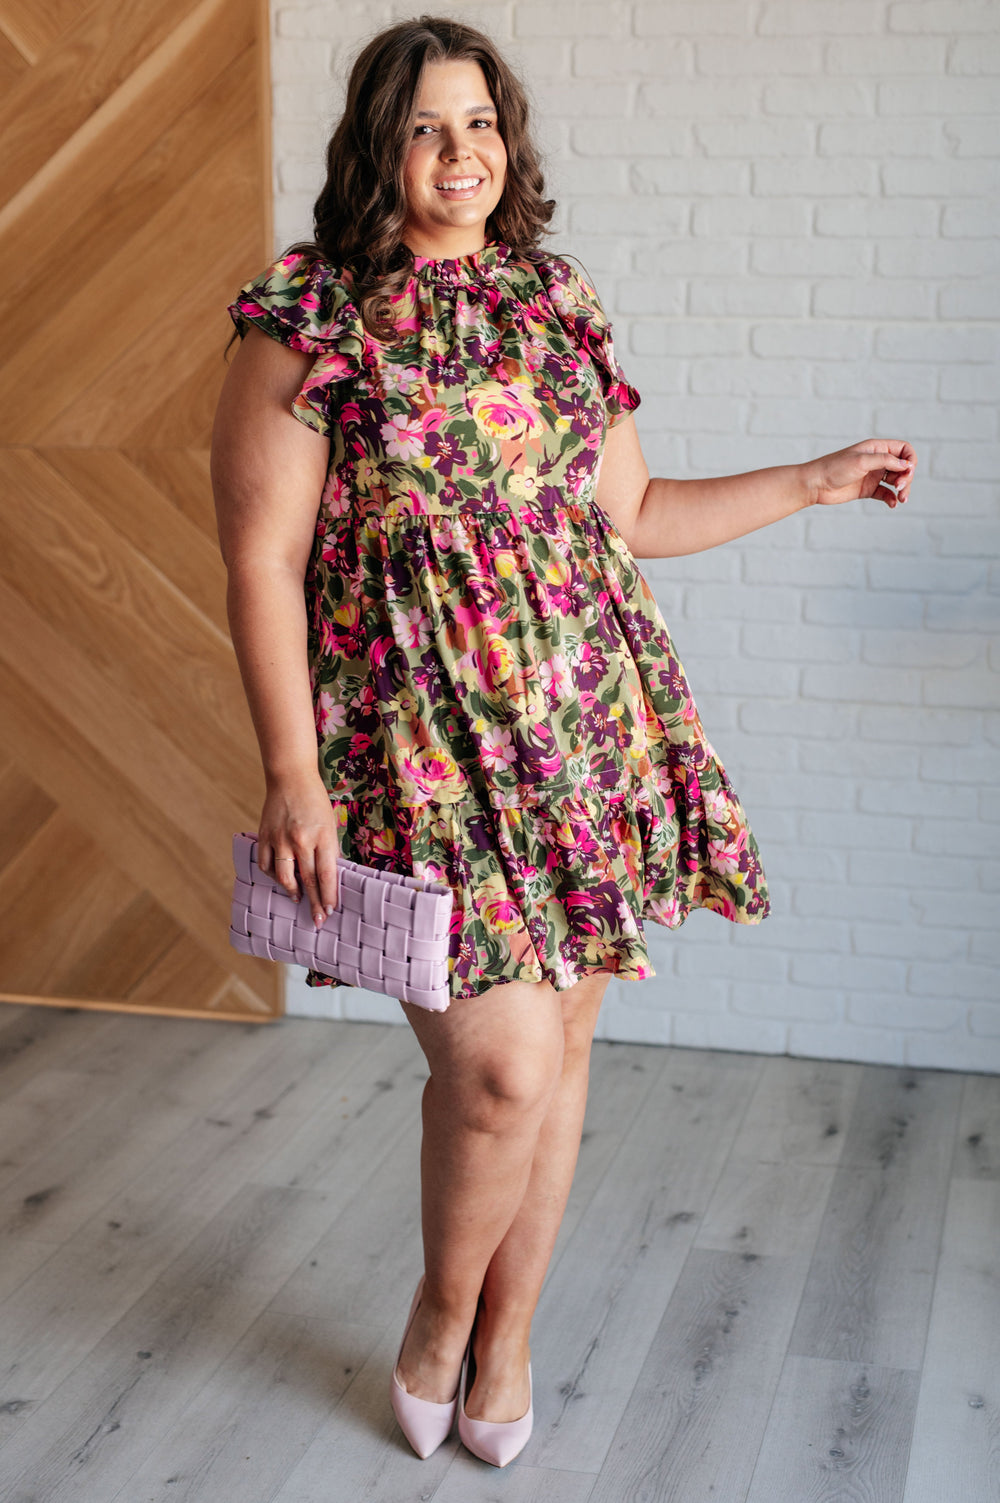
<point>477,266</point>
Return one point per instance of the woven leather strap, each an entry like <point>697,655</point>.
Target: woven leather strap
<point>389,933</point>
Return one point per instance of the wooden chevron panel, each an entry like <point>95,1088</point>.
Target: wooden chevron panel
<point>135,201</point>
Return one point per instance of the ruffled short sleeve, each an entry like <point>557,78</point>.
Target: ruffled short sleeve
<point>582,315</point>
<point>303,303</point>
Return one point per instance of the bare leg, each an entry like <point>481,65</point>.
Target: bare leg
<point>516,1272</point>
<point>496,1061</point>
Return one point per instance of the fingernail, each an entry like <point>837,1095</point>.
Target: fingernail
<point>329,908</point>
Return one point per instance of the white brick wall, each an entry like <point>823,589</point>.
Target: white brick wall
<point>790,210</point>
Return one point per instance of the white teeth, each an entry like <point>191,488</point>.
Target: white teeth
<point>461,182</point>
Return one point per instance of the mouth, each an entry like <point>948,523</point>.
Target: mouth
<point>459,187</point>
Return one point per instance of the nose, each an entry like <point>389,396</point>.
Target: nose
<point>452,146</point>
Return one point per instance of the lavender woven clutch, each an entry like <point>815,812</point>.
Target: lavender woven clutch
<point>388,933</point>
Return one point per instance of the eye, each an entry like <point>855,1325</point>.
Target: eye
<point>418,128</point>
<point>486,123</point>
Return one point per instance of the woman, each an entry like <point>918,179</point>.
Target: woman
<point>464,631</point>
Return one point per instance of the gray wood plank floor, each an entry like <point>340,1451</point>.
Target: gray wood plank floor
<point>777,1281</point>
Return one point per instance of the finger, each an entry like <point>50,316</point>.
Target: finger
<point>307,872</point>
<point>284,872</point>
<point>326,872</point>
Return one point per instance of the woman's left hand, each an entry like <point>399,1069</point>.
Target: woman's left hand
<point>859,471</point>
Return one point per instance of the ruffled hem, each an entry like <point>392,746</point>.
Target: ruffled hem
<point>551,891</point>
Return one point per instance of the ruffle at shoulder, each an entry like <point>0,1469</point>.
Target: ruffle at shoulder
<point>580,311</point>
<point>305,304</point>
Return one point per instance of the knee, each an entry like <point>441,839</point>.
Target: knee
<point>510,1092</point>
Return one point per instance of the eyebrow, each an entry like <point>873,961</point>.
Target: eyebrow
<point>474,109</point>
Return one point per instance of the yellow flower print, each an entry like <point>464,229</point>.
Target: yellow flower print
<point>504,410</point>
<point>524,483</point>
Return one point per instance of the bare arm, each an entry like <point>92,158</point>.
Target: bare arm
<point>268,472</point>
<point>660,518</point>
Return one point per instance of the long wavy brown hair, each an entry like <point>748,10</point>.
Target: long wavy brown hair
<point>359,217</point>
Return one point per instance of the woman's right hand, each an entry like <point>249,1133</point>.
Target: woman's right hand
<point>298,820</point>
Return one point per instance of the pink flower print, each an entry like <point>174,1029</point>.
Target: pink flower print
<point>401,380</point>
<point>553,673</point>
<point>416,628</point>
<point>403,439</point>
<point>330,716</point>
<point>664,911</point>
<point>496,748</point>
<point>724,856</point>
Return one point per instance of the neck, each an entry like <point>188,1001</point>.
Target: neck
<point>446,247</point>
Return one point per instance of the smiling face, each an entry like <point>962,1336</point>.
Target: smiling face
<point>456,163</point>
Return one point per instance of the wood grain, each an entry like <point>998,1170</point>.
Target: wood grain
<point>135,203</point>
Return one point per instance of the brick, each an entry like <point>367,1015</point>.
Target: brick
<point>654,18</point>
<point>882,137</point>
<point>973,137</point>
<point>789,932</point>
<point>793,717</point>
<point>690,176</point>
<point>563,99</point>
<point>682,336</point>
<point>984,1021</point>
<point>952,1052</point>
<point>815,341</point>
<point>966,908</point>
<point>792,18</point>
<point>719,675</point>
<point>876,216</point>
<point>953,979</point>
<point>909,941</point>
<point>844,176</point>
<point>972,420</point>
<point>849,972</point>
<point>692,258</point>
<point>629,216</point>
<point>917,872</point>
<point>831,419</point>
<point>630,138</point>
<point>985,948</point>
<point>810,256</point>
<point>829,570</point>
<point>970,764</point>
<point>926,728</point>
<point>883,56</point>
<point>755,138</point>
<point>751,1035</point>
<point>860,832</point>
<point>913,799</point>
<point>630,58</point>
<point>912,649</point>
<point>750,299</point>
<point>844,297</point>
<point>949,179</point>
<point>881,1046</point>
<point>749,216</point>
<point>790,1003</point>
<point>975,689</point>
<point>970,383</point>
<point>734,965</point>
<point>970,300</point>
<point>777,605</point>
<point>887,1010</point>
<point>806,644</point>
<point>862,759</point>
<point>765,57</point>
<point>589,178</point>
<point>560,18</point>
<point>937,96</point>
<point>826,96</point>
<point>938,575</point>
<point>979,612</point>
<point>844,901</point>
<point>863,608</point>
<point>963,346</point>
<point>948,16</point>
<point>941,832</point>
<point>694,98</point>
<point>747,377</point>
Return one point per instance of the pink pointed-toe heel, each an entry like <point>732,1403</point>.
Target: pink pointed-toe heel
<point>425,1424</point>
<point>495,1443</point>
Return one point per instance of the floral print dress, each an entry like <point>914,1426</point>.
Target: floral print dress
<point>498,705</point>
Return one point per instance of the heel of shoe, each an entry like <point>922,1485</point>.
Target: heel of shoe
<point>425,1424</point>
<point>496,1443</point>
